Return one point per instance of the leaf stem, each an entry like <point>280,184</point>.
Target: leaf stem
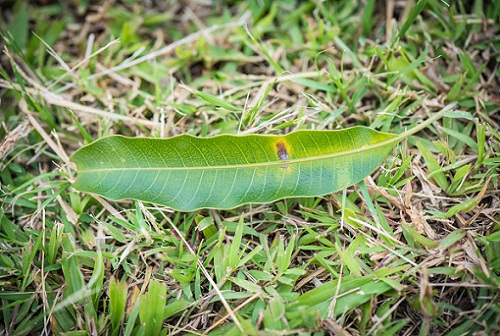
<point>426,123</point>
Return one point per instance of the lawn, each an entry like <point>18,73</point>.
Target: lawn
<point>412,248</point>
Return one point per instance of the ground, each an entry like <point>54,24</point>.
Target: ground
<point>413,248</point>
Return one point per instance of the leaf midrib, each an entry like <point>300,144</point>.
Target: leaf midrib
<point>256,164</point>
<point>396,139</point>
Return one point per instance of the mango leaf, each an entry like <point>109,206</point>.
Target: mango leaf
<point>223,172</point>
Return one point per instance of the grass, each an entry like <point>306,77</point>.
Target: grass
<point>414,249</point>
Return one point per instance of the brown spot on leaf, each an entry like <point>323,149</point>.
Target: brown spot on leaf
<point>282,152</point>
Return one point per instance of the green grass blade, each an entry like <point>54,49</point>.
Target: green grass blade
<point>117,301</point>
<point>419,7</point>
<point>152,308</point>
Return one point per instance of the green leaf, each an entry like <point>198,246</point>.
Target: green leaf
<point>189,173</point>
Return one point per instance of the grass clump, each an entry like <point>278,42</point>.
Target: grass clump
<point>413,249</point>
